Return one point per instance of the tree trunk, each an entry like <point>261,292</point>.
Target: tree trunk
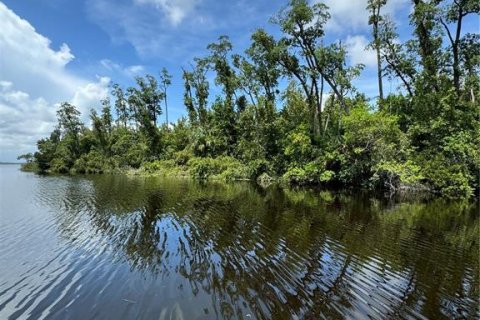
<point>379,61</point>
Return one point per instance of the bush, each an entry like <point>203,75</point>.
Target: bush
<point>165,167</point>
<point>93,162</point>
<point>222,167</point>
<point>394,175</point>
<point>256,168</point>
<point>369,140</point>
<point>29,167</point>
<point>295,176</point>
<point>313,172</point>
<point>449,179</point>
<point>182,157</point>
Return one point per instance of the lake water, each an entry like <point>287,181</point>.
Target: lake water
<point>120,247</point>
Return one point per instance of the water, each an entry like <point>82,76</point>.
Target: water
<point>119,247</point>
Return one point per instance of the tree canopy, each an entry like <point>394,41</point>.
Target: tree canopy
<point>319,129</point>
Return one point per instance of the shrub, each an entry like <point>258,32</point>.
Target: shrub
<point>160,166</point>
<point>92,162</point>
<point>182,157</point>
<point>394,175</point>
<point>256,168</point>
<point>449,179</point>
<point>295,176</point>
<point>222,167</point>
<point>313,172</point>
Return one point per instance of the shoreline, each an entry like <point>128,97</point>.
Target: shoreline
<point>263,181</point>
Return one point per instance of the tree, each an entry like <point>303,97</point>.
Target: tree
<point>70,126</point>
<point>196,91</point>
<point>27,157</point>
<point>47,150</point>
<point>107,118</point>
<point>146,99</point>
<point>165,82</point>
<point>399,58</point>
<point>374,7</point>
<point>220,63</point>
<point>470,59</point>
<point>264,68</point>
<point>428,39</point>
<point>455,14</point>
<point>121,106</point>
<point>303,28</point>
<point>101,131</point>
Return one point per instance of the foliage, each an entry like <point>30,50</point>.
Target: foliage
<point>225,167</point>
<point>287,107</point>
<point>93,162</point>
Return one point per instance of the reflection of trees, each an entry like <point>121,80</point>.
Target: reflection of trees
<point>278,252</point>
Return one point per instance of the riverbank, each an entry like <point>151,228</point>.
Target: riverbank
<point>228,169</point>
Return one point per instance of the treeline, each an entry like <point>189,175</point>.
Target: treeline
<point>318,129</point>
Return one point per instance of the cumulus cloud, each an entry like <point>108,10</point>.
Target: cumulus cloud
<point>89,96</point>
<point>356,46</point>
<point>148,30</point>
<point>178,29</point>
<point>175,10</point>
<point>34,78</point>
<point>22,119</point>
<point>129,71</point>
<point>348,15</point>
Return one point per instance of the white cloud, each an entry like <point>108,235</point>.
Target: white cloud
<point>134,70</point>
<point>179,29</point>
<point>356,46</point>
<point>152,32</point>
<point>33,80</point>
<point>22,119</point>
<point>129,71</point>
<point>175,10</point>
<point>28,61</point>
<point>352,15</point>
<point>89,96</point>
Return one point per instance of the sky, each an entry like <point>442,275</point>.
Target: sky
<point>72,50</point>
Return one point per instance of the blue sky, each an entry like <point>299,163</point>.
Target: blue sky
<point>63,50</point>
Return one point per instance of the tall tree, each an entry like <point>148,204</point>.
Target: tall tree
<point>70,127</point>
<point>146,98</point>
<point>107,119</point>
<point>303,29</point>
<point>265,69</point>
<point>121,106</point>
<point>68,118</point>
<point>220,62</point>
<point>165,82</point>
<point>399,57</point>
<point>454,14</point>
<point>428,39</point>
<point>374,7</point>
<point>196,92</point>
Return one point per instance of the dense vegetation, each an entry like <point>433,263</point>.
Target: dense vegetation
<point>288,109</point>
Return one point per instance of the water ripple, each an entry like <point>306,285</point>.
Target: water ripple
<point>122,247</point>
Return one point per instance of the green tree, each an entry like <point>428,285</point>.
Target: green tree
<point>196,91</point>
<point>303,29</point>
<point>455,13</point>
<point>165,82</point>
<point>399,58</point>
<point>121,106</point>
<point>27,157</point>
<point>374,7</point>
<point>70,127</point>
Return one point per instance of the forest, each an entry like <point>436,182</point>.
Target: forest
<point>288,110</point>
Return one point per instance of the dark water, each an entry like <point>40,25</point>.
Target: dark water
<point>118,247</point>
